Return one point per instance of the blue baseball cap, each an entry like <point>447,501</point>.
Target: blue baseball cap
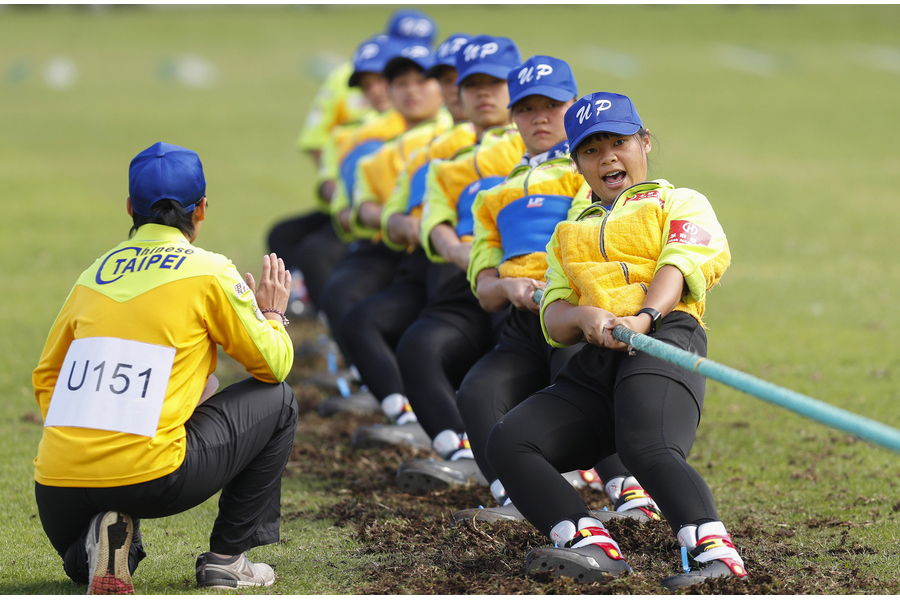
<point>410,23</point>
<point>445,55</point>
<point>487,54</point>
<point>404,53</point>
<point>165,171</point>
<point>543,76</point>
<point>601,112</point>
<point>371,56</point>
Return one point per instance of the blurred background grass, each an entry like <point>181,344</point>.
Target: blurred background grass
<point>784,116</point>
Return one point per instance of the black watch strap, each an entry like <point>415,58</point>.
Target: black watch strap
<point>655,317</point>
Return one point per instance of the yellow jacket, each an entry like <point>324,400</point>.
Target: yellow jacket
<point>376,174</point>
<point>607,258</point>
<point>353,147</point>
<point>514,220</point>
<point>409,192</point>
<point>152,304</point>
<point>452,185</point>
<point>335,104</point>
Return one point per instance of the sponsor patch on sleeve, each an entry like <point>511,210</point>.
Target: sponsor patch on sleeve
<point>240,289</point>
<point>687,232</point>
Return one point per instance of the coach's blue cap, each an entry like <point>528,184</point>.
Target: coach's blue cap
<point>487,54</point>
<point>445,55</point>
<point>542,76</point>
<point>410,23</point>
<point>404,53</point>
<point>601,112</point>
<point>371,56</point>
<point>165,171</point>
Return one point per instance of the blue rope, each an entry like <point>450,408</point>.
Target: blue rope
<point>863,427</point>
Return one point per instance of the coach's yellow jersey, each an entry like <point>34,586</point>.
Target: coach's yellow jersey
<point>129,354</point>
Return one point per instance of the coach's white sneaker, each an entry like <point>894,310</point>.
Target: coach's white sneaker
<point>108,543</point>
<point>231,573</point>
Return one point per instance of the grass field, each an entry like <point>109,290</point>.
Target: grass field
<point>782,116</point>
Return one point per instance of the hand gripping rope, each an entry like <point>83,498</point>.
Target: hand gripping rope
<point>862,427</point>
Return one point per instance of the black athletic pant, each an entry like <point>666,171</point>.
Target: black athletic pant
<point>366,268</point>
<point>285,236</point>
<point>602,402</point>
<point>519,365</point>
<point>238,441</point>
<point>374,326</point>
<point>437,351</point>
<point>317,256</point>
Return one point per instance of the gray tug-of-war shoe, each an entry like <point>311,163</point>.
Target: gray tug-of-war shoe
<point>591,555</point>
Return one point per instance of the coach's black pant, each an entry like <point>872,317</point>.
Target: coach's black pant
<point>238,441</point>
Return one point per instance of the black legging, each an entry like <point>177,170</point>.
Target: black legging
<point>603,402</point>
<point>434,356</point>
<point>373,327</point>
<point>317,256</point>
<point>521,364</point>
<point>365,270</point>
<point>285,236</point>
<point>437,351</point>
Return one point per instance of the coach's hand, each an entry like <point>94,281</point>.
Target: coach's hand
<point>274,285</point>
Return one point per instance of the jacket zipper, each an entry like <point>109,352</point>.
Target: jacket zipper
<point>606,216</point>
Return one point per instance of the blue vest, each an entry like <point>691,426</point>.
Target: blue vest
<point>348,167</point>
<point>466,223</point>
<point>526,225</point>
<point>417,187</point>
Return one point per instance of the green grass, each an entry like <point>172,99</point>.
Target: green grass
<point>783,116</point>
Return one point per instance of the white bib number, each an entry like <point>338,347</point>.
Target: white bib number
<point>111,384</point>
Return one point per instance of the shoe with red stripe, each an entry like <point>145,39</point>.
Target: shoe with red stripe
<point>108,543</point>
<point>711,553</point>
<point>630,500</point>
<point>590,554</point>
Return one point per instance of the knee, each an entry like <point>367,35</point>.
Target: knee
<point>288,398</point>
<point>503,444</point>
<point>641,454</point>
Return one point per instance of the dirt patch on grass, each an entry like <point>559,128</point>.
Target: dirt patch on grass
<point>411,545</point>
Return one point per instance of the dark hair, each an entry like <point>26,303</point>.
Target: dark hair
<point>166,212</point>
<point>401,68</point>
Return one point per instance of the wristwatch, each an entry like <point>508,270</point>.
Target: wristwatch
<point>655,316</point>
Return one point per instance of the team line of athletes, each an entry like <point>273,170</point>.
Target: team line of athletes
<point>481,228</point>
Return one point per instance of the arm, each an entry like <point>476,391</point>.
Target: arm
<point>446,243</point>
<point>403,230</point>
<point>665,292</point>
<point>568,324</point>
<point>370,215</point>
<point>496,293</point>
<point>255,339</point>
